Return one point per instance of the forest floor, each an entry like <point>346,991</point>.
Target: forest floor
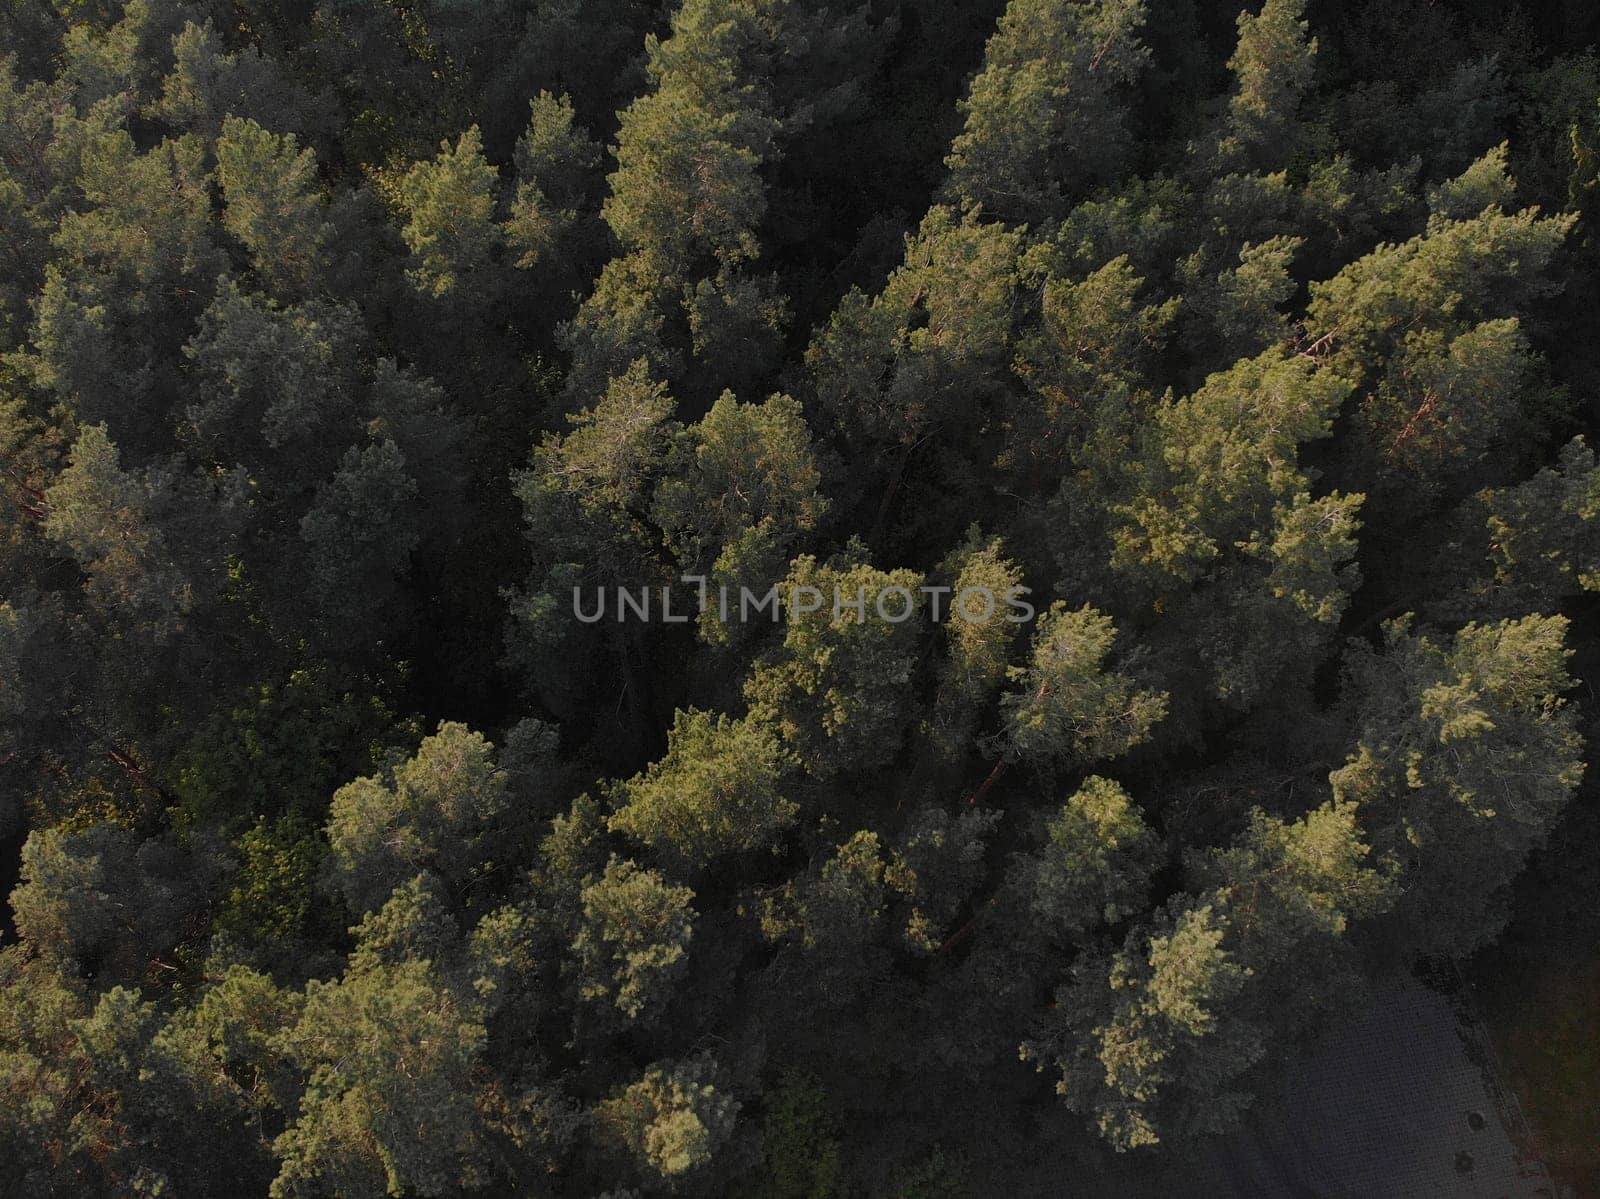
<point>1549,1040</point>
<point>1538,987</point>
<point>1408,1101</point>
<point>1539,991</point>
<point>1400,1104</point>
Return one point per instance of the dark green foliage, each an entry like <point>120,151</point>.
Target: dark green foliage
<point>1113,488</point>
<point>718,790</point>
<point>1467,754</point>
<point>1095,867</point>
<point>837,688</point>
<point>799,1145</point>
<point>1046,115</point>
<point>272,205</point>
<point>633,941</point>
<point>1155,1041</point>
<point>441,809</point>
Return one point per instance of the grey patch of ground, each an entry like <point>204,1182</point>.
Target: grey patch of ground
<point>1402,1103</point>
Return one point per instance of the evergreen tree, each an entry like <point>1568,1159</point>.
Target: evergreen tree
<point>818,442</point>
<point>1157,1041</point>
<point>440,809</point>
<point>1272,65</point>
<point>1429,334</point>
<point>836,691</point>
<point>718,790</point>
<point>1464,759</point>
<point>1065,705</point>
<point>673,1122</point>
<point>450,206</point>
<point>632,943</point>
<point>1095,865</point>
<point>1046,118</point>
<point>1544,534</point>
<point>273,206</point>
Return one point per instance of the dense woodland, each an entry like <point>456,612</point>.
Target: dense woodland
<point>340,340</point>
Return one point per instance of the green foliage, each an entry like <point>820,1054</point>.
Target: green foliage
<point>1047,112</point>
<point>672,1122</point>
<point>555,162</point>
<point>274,382</point>
<point>1156,1042</point>
<point>1096,863</point>
<point>1094,340</point>
<point>799,1144</point>
<point>1013,388</point>
<point>978,651</point>
<point>281,747</point>
<point>1065,705</point>
<point>1243,567</point>
<point>361,531</point>
<point>837,689</point>
<point>740,489</point>
<point>585,493</point>
<point>449,205</point>
<point>1231,453</point>
<point>833,916</point>
<point>101,515</point>
<point>1272,67</point>
<point>727,86</point>
<point>1485,185</point>
<point>937,1177</point>
<point>1545,533</point>
<point>148,220</point>
<point>273,205</point>
<point>717,791</point>
<point>389,1052</point>
<point>937,863</point>
<point>440,809</point>
<point>688,151</point>
<point>273,894</point>
<point>1428,333</point>
<point>632,943</point>
<point>103,902</point>
<point>913,359</point>
<point>1466,756</point>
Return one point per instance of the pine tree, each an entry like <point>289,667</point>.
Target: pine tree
<point>1544,534</point>
<point>450,206</point>
<point>917,362</point>
<point>1157,1042</point>
<point>1222,508</point>
<point>440,810</point>
<point>1272,65</point>
<point>718,790</point>
<point>673,1123</point>
<point>556,166</point>
<point>1096,864</point>
<point>1465,757</point>
<point>837,690</point>
<point>1065,705</point>
<point>273,206</point>
<point>392,1055</point>
<point>274,386</point>
<point>632,943</point>
<point>1429,334</point>
<point>207,86</point>
<point>1046,118</point>
<point>102,516</point>
<point>361,531</point>
<point>740,489</point>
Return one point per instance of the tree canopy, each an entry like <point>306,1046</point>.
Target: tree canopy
<point>772,598</point>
